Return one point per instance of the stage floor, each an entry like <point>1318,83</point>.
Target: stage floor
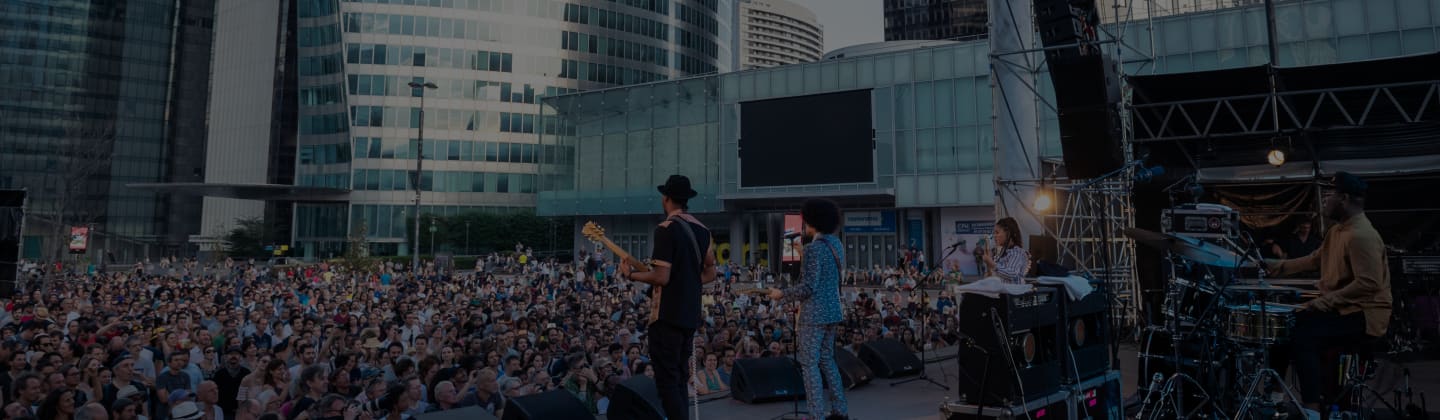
<point>921,400</point>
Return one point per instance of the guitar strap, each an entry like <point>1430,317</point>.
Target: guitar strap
<point>689,238</point>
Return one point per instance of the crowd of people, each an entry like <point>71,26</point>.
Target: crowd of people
<point>239,340</point>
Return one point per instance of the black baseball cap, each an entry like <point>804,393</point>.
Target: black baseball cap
<point>1348,183</point>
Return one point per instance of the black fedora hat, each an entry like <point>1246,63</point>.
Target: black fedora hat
<point>678,187</point>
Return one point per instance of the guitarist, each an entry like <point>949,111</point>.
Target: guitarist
<point>683,259</point>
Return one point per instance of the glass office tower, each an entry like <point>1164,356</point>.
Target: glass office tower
<point>492,61</point>
<point>96,96</point>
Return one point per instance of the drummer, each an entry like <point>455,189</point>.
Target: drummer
<point>1354,283</point>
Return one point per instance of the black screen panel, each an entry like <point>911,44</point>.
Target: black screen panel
<point>807,140</point>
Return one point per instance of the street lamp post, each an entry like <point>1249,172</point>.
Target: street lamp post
<point>467,238</point>
<point>432,236</point>
<point>419,161</point>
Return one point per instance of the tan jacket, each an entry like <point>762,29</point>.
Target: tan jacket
<point>1354,274</point>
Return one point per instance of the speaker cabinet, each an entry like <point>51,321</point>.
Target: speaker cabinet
<point>766,379</point>
<point>889,358</point>
<point>557,404</point>
<point>635,399</point>
<point>853,372</point>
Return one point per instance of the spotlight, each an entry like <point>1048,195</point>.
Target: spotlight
<point>1043,201</point>
<point>1276,157</point>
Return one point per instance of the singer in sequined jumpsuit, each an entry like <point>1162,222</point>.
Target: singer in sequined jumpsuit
<point>820,312</point>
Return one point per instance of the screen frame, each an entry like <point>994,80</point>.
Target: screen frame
<point>874,145</point>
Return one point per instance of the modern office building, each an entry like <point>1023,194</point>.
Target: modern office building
<point>491,62</point>
<point>251,139</point>
<point>97,96</point>
<point>776,33</point>
<point>934,19</point>
<point>930,107</point>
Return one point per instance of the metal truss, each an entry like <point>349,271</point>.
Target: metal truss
<point>1088,225</point>
<point>1256,115</point>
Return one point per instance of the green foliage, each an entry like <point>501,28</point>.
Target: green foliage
<point>493,232</point>
<point>249,237</point>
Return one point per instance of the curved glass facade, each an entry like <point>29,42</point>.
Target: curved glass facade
<point>493,61</point>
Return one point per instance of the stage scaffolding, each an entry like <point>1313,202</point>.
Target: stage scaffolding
<point>1087,217</point>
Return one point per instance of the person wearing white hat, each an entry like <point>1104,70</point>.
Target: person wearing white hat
<point>187,410</point>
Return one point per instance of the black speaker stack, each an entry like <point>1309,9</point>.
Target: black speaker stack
<point>557,404</point>
<point>853,371</point>
<point>1084,338</point>
<point>766,379</point>
<point>889,358</point>
<point>1011,353</point>
<point>635,399</point>
<point>12,217</point>
<point>1087,89</point>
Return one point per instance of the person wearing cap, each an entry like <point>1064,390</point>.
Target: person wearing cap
<point>1354,304</point>
<point>683,259</point>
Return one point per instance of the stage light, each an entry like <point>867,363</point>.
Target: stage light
<point>1043,201</point>
<point>1276,157</point>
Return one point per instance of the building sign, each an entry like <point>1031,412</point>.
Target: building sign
<point>79,239</point>
<point>963,242</point>
<point>870,222</point>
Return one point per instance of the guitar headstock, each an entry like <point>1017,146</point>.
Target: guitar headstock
<point>593,232</point>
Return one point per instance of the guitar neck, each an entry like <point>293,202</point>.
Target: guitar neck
<point>624,256</point>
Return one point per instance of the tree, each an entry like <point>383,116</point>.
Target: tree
<point>80,158</point>
<point>249,237</point>
<point>496,232</point>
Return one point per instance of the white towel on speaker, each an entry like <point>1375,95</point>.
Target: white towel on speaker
<point>993,287</point>
<point>1075,286</point>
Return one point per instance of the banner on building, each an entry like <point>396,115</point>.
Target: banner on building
<point>794,230</point>
<point>79,239</point>
<point>869,222</point>
<point>964,238</point>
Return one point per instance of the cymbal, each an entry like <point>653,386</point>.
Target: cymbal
<point>1187,247</point>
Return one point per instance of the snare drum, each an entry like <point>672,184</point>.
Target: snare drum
<point>1187,300</point>
<point>1248,324</point>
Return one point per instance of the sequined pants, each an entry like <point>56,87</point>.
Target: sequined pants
<point>817,359</point>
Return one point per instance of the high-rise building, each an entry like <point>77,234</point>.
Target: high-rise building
<point>97,96</point>
<point>934,19</point>
<point>776,33</point>
<point>252,125</point>
<point>491,60</point>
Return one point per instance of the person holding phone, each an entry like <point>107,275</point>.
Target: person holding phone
<point>820,312</point>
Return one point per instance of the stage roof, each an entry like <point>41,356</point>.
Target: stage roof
<point>265,192</point>
<point>1378,117</point>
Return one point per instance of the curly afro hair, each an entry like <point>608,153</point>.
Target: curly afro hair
<point>822,214</point>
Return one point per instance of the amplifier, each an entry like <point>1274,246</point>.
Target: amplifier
<point>1013,336</point>
<point>1054,406</point>
<point>1084,336</point>
<point>1201,221</point>
<point>1098,397</point>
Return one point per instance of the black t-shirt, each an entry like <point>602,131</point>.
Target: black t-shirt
<point>680,300</point>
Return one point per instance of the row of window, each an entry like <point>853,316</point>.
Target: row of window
<point>692,65</point>
<point>322,124</point>
<point>456,150</point>
<point>443,119</point>
<point>610,19</point>
<point>314,36</point>
<point>324,154</point>
<point>321,95</point>
<point>340,180</point>
<point>485,5</point>
<point>810,28</point>
<point>380,23</point>
<point>393,221</point>
<point>405,55</point>
<point>713,5</point>
<point>386,85</point>
<point>697,42</point>
<point>657,6</point>
<point>319,65</point>
<point>605,73</point>
<point>699,18</point>
<point>442,181</point>
<point>808,50</point>
<point>791,30</point>
<point>619,48</point>
<point>316,8</point>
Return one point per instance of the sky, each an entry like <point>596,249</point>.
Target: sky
<point>849,22</point>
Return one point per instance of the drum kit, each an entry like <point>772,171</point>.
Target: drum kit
<point>1209,356</point>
